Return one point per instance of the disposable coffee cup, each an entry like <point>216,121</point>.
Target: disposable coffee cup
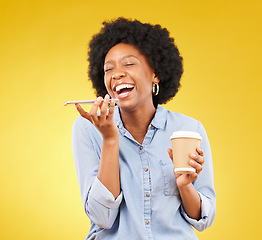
<point>184,143</point>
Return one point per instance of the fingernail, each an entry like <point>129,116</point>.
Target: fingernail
<point>193,155</point>
<point>112,101</point>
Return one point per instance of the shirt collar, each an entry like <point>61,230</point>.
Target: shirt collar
<point>159,120</point>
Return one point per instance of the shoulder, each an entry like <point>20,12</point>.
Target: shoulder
<point>84,127</point>
<point>180,122</point>
<point>179,117</point>
<point>81,123</point>
<point>170,115</point>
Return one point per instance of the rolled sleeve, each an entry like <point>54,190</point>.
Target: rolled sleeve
<point>103,196</point>
<point>207,214</point>
<point>102,207</point>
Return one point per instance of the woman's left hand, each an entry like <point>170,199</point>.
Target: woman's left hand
<point>197,161</point>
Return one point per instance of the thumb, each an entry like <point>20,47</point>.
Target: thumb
<point>170,153</point>
<point>83,113</point>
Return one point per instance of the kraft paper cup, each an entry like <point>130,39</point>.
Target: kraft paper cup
<point>184,143</point>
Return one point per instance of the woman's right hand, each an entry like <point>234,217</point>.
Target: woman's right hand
<point>103,122</point>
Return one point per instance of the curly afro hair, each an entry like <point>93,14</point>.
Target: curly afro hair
<point>153,41</point>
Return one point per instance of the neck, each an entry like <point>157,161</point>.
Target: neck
<point>136,122</point>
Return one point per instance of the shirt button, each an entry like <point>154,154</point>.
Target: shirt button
<point>141,148</point>
<point>147,222</point>
<point>146,169</point>
<point>148,195</point>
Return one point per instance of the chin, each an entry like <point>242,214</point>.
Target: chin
<point>126,105</point>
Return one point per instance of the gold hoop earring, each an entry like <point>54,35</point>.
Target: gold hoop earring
<point>155,89</point>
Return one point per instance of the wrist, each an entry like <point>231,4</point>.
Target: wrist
<point>111,135</point>
<point>186,187</point>
<point>112,140</point>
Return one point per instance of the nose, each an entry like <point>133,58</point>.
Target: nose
<point>118,74</point>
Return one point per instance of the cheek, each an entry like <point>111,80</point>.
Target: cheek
<point>147,81</point>
<point>107,83</point>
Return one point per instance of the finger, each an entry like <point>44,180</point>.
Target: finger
<point>94,109</point>
<point>200,151</point>
<point>82,112</point>
<point>170,153</point>
<point>197,158</point>
<point>193,175</point>
<point>196,166</point>
<point>177,175</point>
<point>111,109</point>
<point>103,107</point>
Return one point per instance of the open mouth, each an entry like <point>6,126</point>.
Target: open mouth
<point>124,90</point>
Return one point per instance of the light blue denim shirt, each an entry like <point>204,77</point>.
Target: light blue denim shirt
<point>149,205</point>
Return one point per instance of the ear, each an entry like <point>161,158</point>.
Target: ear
<point>156,79</point>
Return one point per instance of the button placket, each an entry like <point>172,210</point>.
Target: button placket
<point>146,189</point>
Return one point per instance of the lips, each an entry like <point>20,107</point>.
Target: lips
<point>123,90</point>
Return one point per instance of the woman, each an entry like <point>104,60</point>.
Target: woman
<point>123,155</point>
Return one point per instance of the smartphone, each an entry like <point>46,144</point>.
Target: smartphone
<point>83,102</point>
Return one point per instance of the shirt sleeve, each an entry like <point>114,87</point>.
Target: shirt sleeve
<point>205,187</point>
<point>99,203</point>
<point>102,205</point>
<point>207,214</point>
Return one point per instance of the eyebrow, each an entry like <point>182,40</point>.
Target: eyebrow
<point>127,56</point>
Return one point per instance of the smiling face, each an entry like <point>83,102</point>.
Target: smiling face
<point>129,76</point>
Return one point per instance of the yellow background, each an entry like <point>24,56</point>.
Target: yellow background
<point>43,64</point>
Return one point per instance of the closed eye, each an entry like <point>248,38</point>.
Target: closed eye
<point>108,69</point>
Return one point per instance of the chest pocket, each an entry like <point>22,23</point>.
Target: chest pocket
<point>170,187</point>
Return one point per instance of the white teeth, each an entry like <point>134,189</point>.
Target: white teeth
<point>122,86</point>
